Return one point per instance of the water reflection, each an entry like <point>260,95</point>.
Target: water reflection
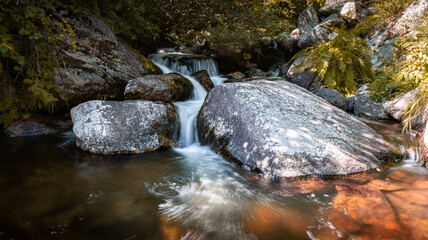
<point>51,190</point>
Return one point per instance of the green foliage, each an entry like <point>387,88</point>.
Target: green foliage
<point>342,62</point>
<point>408,71</point>
<point>27,47</point>
<point>389,9</point>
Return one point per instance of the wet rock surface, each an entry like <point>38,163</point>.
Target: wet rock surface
<point>124,127</point>
<point>204,79</point>
<point>35,125</point>
<point>100,66</point>
<point>166,88</point>
<point>283,130</point>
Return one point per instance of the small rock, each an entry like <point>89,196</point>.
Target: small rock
<point>397,107</point>
<point>307,20</point>
<point>351,103</point>
<point>279,69</point>
<point>332,96</point>
<point>349,11</point>
<point>331,7</point>
<point>265,41</point>
<point>166,88</point>
<point>320,33</point>
<point>204,79</point>
<point>235,75</point>
<point>255,72</point>
<point>304,79</point>
<point>365,107</point>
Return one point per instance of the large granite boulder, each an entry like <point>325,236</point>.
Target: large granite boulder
<point>166,88</point>
<point>320,33</point>
<point>204,79</point>
<point>332,96</point>
<point>124,127</point>
<point>98,65</point>
<point>283,130</point>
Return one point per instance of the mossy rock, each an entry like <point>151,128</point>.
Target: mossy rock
<point>204,79</point>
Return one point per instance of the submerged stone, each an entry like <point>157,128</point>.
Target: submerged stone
<point>131,126</point>
<point>284,130</point>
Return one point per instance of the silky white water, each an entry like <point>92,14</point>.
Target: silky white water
<point>217,198</point>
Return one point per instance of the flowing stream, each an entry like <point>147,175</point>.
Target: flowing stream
<point>51,190</point>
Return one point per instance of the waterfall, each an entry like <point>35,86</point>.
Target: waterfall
<point>188,110</point>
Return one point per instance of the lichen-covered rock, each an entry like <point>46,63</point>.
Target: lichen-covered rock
<point>166,88</point>
<point>307,20</point>
<point>101,64</point>
<point>35,125</point>
<point>349,11</point>
<point>396,108</point>
<point>331,7</point>
<point>304,79</point>
<point>320,33</point>
<point>204,79</point>
<point>124,127</point>
<point>365,107</point>
<point>332,96</point>
<point>285,131</point>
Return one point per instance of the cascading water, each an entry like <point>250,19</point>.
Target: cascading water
<point>188,110</point>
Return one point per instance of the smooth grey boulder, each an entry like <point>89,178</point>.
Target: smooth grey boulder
<point>285,131</point>
<point>99,66</point>
<point>307,20</point>
<point>365,107</point>
<point>304,79</point>
<point>166,88</point>
<point>321,33</point>
<point>397,107</point>
<point>124,127</point>
<point>332,96</point>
